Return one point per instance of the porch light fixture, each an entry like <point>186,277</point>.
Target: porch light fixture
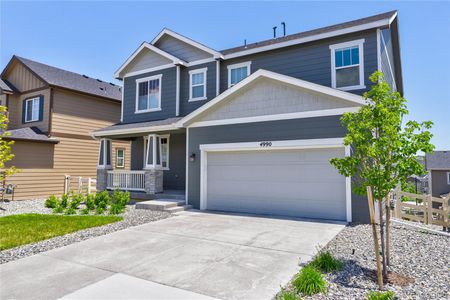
<point>192,157</point>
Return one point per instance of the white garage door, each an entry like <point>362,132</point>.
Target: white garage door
<point>299,183</point>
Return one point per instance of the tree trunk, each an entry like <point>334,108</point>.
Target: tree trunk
<point>388,230</point>
<point>383,248</point>
<point>375,236</point>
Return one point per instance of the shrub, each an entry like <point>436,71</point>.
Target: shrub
<point>118,202</point>
<point>99,210</point>
<point>310,281</point>
<point>52,202</point>
<point>102,200</point>
<point>64,200</point>
<point>76,200</point>
<point>377,295</point>
<point>70,211</point>
<point>58,210</point>
<point>89,202</point>
<point>84,211</point>
<point>287,295</point>
<point>325,262</point>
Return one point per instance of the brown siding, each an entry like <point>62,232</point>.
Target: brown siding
<point>22,79</point>
<point>15,110</point>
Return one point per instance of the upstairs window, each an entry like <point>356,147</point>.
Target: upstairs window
<point>347,65</point>
<point>148,94</point>
<point>238,72</point>
<point>32,109</point>
<point>197,84</point>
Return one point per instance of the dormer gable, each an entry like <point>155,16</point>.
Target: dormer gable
<point>22,77</point>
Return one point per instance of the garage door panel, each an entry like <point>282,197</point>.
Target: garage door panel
<point>299,183</point>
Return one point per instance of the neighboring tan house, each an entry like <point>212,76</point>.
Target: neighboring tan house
<point>250,129</point>
<point>438,167</point>
<point>52,113</point>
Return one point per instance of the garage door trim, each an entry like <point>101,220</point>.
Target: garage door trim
<point>270,146</point>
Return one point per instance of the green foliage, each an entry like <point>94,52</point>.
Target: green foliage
<point>58,209</point>
<point>52,202</point>
<point>76,200</point>
<point>325,262</point>
<point>70,211</point>
<point>89,202</point>
<point>288,295</point>
<point>64,201</point>
<point>310,281</point>
<point>118,202</point>
<point>102,200</point>
<point>377,295</point>
<point>382,152</point>
<point>5,146</point>
<point>99,210</point>
<point>84,211</point>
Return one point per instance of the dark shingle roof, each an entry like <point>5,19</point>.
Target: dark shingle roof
<point>6,86</point>
<point>30,134</point>
<point>140,125</point>
<point>438,160</point>
<point>311,32</point>
<point>73,81</point>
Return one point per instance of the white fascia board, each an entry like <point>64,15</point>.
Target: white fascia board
<point>186,40</point>
<point>134,130</point>
<point>275,76</point>
<point>146,45</point>
<point>376,24</point>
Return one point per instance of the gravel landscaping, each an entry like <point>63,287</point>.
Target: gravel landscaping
<point>132,217</point>
<point>421,256</point>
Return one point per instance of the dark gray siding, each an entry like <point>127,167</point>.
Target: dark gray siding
<point>168,94</point>
<point>137,153</point>
<point>311,61</point>
<point>387,57</point>
<point>439,184</point>
<point>310,128</point>
<point>187,107</point>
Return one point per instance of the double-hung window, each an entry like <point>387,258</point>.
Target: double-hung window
<point>238,72</point>
<point>197,84</point>
<point>148,94</point>
<point>347,65</point>
<point>120,158</point>
<point>32,109</point>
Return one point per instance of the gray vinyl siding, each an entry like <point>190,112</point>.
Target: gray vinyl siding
<point>439,184</point>
<point>310,62</point>
<point>387,57</point>
<point>168,96</point>
<point>187,107</point>
<point>310,128</point>
<point>181,50</point>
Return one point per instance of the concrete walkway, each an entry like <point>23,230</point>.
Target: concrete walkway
<point>194,255</point>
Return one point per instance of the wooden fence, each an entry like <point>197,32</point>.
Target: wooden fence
<point>420,208</point>
<point>79,184</point>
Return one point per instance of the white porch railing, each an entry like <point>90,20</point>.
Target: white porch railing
<point>126,180</point>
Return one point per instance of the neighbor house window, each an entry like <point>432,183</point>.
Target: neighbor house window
<point>32,109</point>
<point>238,72</point>
<point>148,94</point>
<point>347,65</point>
<point>160,158</point>
<point>120,158</point>
<point>197,84</point>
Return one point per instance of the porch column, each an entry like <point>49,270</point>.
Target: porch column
<point>153,169</point>
<point>104,164</point>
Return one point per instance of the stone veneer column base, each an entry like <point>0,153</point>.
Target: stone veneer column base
<point>153,181</point>
<point>102,179</point>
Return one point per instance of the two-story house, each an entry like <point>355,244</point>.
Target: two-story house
<point>52,113</point>
<point>252,128</point>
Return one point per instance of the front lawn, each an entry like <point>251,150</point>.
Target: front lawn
<point>17,230</point>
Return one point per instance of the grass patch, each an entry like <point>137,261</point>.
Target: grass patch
<point>377,295</point>
<point>17,230</point>
<point>288,295</point>
<point>310,281</point>
<point>326,263</point>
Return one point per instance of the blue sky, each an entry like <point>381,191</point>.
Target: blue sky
<point>95,38</point>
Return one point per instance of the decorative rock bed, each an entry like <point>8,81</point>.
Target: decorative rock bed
<point>132,217</point>
<point>415,254</point>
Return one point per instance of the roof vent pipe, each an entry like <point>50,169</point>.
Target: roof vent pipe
<point>274,31</point>
<point>245,43</point>
<point>284,28</point>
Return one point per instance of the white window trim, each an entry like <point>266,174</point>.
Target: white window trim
<point>192,73</point>
<point>333,48</point>
<point>154,166</point>
<point>236,66</point>
<point>165,136</point>
<point>26,109</point>
<point>117,157</point>
<point>137,111</point>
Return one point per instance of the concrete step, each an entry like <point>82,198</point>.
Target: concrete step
<point>178,208</point>
<point>176,195</point>
<point>160,204</point>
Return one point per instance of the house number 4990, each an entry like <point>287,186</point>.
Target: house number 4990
<point>265,144</point>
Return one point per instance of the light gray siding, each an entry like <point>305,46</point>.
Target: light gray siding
<point>181,49</point>
<point>439,184</point>
<point>310,62</point>
<point>310,128</point>
<point>146,59</point>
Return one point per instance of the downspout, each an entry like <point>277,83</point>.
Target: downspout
<point>177,93</point>
<point>217,77</point>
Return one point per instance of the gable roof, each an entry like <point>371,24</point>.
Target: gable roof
<point>438,160</point>
<point>32,133</point>
<point>187,40</point>
<point>379,20</point>
<point>358,100</point>
<point>69,80</point>
<point>6,87</point>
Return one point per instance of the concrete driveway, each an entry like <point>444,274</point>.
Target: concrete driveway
<point>194,255</point>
